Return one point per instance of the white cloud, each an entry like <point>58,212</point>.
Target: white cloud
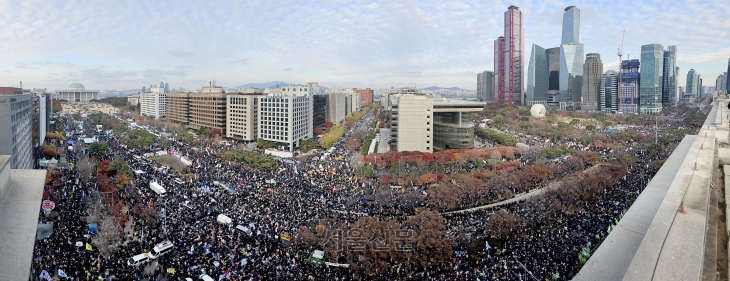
<point>386,42</point>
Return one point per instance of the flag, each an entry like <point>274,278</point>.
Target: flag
<point>61,273</point>
<point>486,245</point>
<point>88,247</point>
<point>45,275</point>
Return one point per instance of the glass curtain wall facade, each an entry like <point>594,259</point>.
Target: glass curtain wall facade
<point>537,75</point>
<point>693,81</point>
<point>609,91</point>
<point>552,56</point>
<point>650,86</point>
<point>571,72</point>
<point>669,88</point>
<point>571,25</point>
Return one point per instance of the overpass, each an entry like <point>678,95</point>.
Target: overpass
<point>671,230</point>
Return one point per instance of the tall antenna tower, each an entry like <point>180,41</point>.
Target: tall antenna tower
<point>620,84</point>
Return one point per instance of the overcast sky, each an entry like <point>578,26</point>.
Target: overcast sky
<point>129,44</point>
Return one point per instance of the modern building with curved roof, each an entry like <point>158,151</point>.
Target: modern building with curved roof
<point>77,93</point>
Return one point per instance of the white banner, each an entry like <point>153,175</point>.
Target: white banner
<point>337,264</point>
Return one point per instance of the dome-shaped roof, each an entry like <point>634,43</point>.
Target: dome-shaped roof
<point>76,86</point>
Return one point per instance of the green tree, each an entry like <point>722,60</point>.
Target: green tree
<point>99,148</point>
<point>120,166</point>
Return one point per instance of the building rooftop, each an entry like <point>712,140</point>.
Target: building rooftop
<point>21,192</point>
<point>76,86</point>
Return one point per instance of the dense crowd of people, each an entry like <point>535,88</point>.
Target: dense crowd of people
<point>274,202</point>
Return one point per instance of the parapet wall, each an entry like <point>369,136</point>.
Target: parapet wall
<point>663,236</point>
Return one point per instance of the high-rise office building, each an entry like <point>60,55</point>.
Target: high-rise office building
<point>650,86</point>
<point>700,89</point>
<point>571,60</point>
<point>591,85</point>
<point>628,90</point>
<point>571,74</point>
<point>508,59</point>
<point>286,117</point>
<point>16,127</point>
<point>144,89</point>
<point>242,114</point>
<point>154,103</point>
<point>692,85</point>
<point>721,83</point>
<point>485,86</point>
<point>167,87</point>
<point>669,87</point>
<point>609,91</point>
<point>537,76</point>
<point>319,108</point>
<point>571,25</point>
<point>727,77</point>
<point>552,57</point>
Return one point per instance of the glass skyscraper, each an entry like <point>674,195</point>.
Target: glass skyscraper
<point>693,83</point>
<point>609,91</point>
<point>537,75</point>
<point>571,25</point>
<point>669,88</point>
<point>571,72</point>
<point>553,66</point>
<point>571,59</point>
<point>652,71</point>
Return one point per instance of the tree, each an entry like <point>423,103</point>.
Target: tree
<point>353,144</point>
<point>119,166</point>
<point>122,180</point>
<point>502,223</point>
<point>84,166</point>
<point>99,148</point>
<point>107,236</point>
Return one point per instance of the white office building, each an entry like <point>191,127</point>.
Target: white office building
<point>285,116</point>
<point>242,114</point>
<point>154,103</point>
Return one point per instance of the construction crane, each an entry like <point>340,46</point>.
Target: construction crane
<point>618,94</point>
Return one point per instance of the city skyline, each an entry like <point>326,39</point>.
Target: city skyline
<point>123,45</point>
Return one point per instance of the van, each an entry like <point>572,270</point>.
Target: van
<point>188,205</point>
<point>161,249</point>
<point>205,277</point>
<point>179,181</point>
<point>244,230</point>
<point>224,219</point>
<point>139,259</point>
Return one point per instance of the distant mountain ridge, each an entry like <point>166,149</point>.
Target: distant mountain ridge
<point>271,84</point>
<point>434,88</point>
